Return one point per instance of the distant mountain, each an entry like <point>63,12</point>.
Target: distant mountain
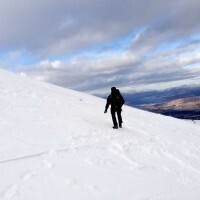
<point>184,108</point>
<point>162,96</point>
<point>180,102</point>
<point>190,103</point>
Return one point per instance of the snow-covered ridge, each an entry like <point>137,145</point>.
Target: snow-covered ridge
<point>57,144</point>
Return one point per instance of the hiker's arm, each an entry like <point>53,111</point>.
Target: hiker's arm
<point>107,104</point>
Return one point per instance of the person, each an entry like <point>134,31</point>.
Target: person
<point>116,100</point>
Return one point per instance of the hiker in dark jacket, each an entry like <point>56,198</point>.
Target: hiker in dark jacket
<point>116,100</point>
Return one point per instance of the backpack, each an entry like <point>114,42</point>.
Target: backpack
<point>117,99</point>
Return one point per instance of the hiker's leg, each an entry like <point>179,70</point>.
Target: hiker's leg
<point>114,117</point>
<point>119,116</point>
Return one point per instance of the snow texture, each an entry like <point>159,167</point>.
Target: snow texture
<point>57,144</point>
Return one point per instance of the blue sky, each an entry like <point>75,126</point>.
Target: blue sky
<point>92,45</point>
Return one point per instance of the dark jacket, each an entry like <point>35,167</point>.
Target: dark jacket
<point>116,100</point>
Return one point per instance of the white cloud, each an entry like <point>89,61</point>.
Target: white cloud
<point>189,59</point>
<point>56,64</point>
<point>130,67</point>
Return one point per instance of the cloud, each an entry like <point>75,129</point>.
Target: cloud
<point>93,72</point>
<point>52,27</point>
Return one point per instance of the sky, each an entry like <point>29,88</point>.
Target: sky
<point>92,45</point>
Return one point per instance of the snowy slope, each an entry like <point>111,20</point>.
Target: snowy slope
<point>57,144</point>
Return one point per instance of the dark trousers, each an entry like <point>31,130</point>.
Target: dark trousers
<point>113,114</point>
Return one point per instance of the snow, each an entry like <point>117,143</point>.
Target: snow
<point>196,122</point>
<point>57,144</point>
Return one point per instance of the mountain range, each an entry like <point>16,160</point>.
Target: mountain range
<point>181,102</point>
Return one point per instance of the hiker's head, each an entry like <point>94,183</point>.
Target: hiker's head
<point>113,89</point>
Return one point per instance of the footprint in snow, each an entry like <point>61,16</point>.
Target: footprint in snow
<point>92,188</point>
<point>10,192</point>
<point>107,162</point>
<point>53,152</point>
<point>46,164</point>
<point>27,175</point>
<point>118,149</point>
<point>72,183</point>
